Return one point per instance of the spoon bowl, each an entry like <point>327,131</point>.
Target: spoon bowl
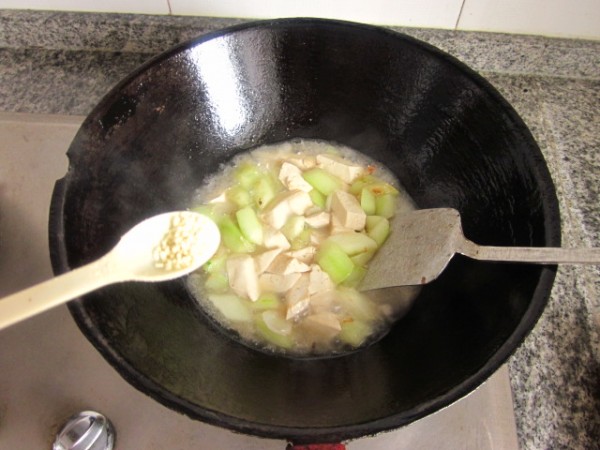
<point>183,239</point>
<point>134,254</point>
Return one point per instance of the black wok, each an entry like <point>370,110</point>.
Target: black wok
<point>451,139</point>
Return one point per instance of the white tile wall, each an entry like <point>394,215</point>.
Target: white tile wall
<point>566,18</point>
<point>569,18</point>
<point>420,13</point>
<point>118,6</point>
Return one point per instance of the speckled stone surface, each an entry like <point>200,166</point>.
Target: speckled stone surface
<point>555,374</point>
<point>64,63</point>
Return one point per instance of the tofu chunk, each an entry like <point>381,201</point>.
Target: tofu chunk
<point>299,202</point>
<point>340,168</point>
<point>241,272</point>
<point>346,209</point>
<point>277,211</point>
<point>298,298</point>
<point>319,281</point>
<point>306,254</point>
<point>297,309</point>
<point>284,205</point>
<point>337,227</point>
<point>275,239</point>
<point>303,162</point>
<point>325,324</point>
<point>291,177</point>
<point>318,236</point>
<point>285,264</point>
<point>277,283</point>
<point>318,220</point>
<point>322,301</point>
<point>263,260</point>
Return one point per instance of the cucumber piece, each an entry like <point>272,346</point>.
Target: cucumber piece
<point>355,277</point>
<point>266,301</point>
<point>317,198</point>
<point>217,282</point>
<point>293,227</point>
<point>373,221</point>
<point>367,201</point>
<point>334,261</point>
<point>302,240</point>
<point>382,188</point>
<point>263,191</point>
<point>357,305</point>
<point>216,263</point>
<point>322,181</point>
<point>247,174</point>
<point>359,184</point>
<point>209,211</point>
<point>232,307</point>
<point>376,185</point>
<point>276,322</point>
<point>238,196</point>
<point>362,259</point>
<point>279,340</point>
<point>355,332</point>
<point>353,242</point>
<point>232,237</point>
<point>379,231</point>
<point>385,205</point>
<point>249,224</point>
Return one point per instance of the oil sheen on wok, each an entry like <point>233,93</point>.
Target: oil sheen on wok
<point>299,224</point>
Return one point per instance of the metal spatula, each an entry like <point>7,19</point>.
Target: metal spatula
<point>421,244</point>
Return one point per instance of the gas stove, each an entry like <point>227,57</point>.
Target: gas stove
<point>49,371</point>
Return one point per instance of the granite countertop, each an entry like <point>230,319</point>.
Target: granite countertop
<point>63,63</point>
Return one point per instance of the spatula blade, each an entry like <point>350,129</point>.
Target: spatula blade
<point>420,245</point>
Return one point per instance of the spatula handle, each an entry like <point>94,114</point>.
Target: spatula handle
<point>538,255</point>
<point>51,293</point>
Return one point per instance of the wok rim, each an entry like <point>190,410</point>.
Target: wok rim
<point>303,434</point>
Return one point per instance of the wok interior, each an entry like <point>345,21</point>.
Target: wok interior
<point>448,137</point>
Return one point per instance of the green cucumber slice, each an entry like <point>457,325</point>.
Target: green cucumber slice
<point>265,302</point>
<point>250,225</point>
<point>247,174</point>
<point>279,340</point>
<point>334,261</point>
<point>353,242</point>
<point>322,181</point>
<point>238,196</point>
<point>317,198</point>
<point>217,282</point>
<point>232,307</point>
<point>367,201</point>
<point>232,237</point>
<point>379,231</point>
<point>385,205</point>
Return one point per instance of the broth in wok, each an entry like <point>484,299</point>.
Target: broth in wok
<point>299,223</point>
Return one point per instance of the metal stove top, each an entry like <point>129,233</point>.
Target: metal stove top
<point>49,371</point>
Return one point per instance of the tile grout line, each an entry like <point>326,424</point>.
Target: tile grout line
<point>460,12</point>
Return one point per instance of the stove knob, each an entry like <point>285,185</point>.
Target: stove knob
<point>87,430</point>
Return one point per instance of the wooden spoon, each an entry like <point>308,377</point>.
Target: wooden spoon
<point>147,252</point>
